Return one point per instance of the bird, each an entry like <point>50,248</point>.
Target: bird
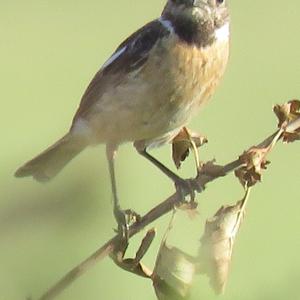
<point>147,91</point>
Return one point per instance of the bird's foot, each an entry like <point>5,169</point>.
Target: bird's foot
<point>185,187</point>
<point>125,218</point>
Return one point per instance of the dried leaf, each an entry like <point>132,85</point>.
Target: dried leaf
<point>286,114</point>
<point>255,162</point>
<point>181,145</point>
<point>174,271</point>
<point>291,137</point>
<point>130,265</point>
<point>173,274</point>
<point>190,208</point>
<point>134,265</point>
<point>217,243</point>
<point>145,244</point>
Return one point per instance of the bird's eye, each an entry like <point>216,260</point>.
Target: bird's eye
<point>220,1</point>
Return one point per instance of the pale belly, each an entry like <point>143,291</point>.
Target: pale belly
<point>156,101</point>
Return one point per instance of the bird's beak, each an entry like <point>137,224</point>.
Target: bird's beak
<point>200,5</point>
<point>197,3</point>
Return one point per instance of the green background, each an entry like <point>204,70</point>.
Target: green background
<point>49,51</point>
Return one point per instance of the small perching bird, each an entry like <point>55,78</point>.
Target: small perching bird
<point>152,85</point>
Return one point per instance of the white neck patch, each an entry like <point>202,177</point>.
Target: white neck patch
<point>222,33</point>
<point>167,24</point>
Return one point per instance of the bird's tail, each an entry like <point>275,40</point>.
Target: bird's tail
<point>46,165</point>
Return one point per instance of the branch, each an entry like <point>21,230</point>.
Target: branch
<point>175,200</point>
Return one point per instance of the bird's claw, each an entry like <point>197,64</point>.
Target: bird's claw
<point>125,218</point>
<point>185,187</point>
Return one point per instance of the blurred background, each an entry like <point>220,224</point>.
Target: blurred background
<point>50,50</point>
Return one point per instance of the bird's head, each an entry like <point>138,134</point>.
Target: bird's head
<point>197,10</point>
<point>196,17</point>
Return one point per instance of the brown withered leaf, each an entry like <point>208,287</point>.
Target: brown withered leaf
<point>289,137</point>
<point>134,265</point>
<point>255,162</point>
<point>173,273</point>
<point>190,208</point>
<point>287,113</point>
<point>217,243</point>
<point>181,145</point>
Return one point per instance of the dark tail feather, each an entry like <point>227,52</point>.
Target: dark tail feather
<point>46,165</point>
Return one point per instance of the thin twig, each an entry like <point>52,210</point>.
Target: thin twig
<point>154,214</point>
<point>76,272</point>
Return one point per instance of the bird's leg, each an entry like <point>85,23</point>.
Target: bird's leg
<point>183,186</point>
<point>123,217</point>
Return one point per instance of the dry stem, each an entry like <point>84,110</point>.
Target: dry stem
<point>155,213</point>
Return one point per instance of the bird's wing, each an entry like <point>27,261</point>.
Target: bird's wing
<point>128,57</point>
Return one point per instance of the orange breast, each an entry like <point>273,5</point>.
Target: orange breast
<point>182,78</point>
<point>161,96</point>
<point>199,71</point>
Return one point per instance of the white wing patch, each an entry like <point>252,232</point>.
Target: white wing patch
<point>222,33</point>
<point>167,24</point>
<point>114,57</point>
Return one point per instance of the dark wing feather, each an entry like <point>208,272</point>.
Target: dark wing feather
<point>135,54</point>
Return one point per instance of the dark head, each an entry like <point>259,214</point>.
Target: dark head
<point>196,21</point>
